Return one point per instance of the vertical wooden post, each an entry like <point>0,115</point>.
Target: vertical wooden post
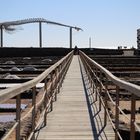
<point>93,87</point>
<point>91,78</point>
<point>59,70</point>
<point>85,65</point>
<point>57,84</point>
<point>18,106</point>
<point>63,71</point>
<point>45,102</point>
<point>133,108</point>
<point>61,80</point>
<point>106,99</point>
<point>96,84</point>
<point>117,113</point>
<point>87,71</point>
<point>100,91</point>
<point>93,82</point>
<point>51,107</point>
<point>55,96</point>
<point>33,111</point>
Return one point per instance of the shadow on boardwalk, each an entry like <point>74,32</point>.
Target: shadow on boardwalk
<point>100,131</point>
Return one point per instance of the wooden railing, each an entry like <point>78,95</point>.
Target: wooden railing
<point>100,79</point>
<point>52,79</point>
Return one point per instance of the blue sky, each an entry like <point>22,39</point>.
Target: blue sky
<point>110,23</point>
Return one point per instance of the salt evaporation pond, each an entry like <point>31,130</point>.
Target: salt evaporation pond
<point>11,106</point>
<point>7,118</point>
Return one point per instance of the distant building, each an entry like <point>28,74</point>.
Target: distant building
<point>138,38</point>
<point>128,52</point>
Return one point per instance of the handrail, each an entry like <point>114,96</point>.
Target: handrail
<point>123,84</point>
<point>96,73</point>
<point>50,89</point>
<point>14,91</point>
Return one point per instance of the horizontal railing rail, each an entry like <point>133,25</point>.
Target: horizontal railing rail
<point>100,79</point>
<point>37,115</point>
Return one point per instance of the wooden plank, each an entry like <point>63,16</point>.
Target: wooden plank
<point>70,119</point>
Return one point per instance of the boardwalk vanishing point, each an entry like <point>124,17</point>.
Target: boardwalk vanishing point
<point>76,114</point>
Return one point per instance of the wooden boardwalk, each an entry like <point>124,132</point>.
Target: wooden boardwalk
<point>75,116</point>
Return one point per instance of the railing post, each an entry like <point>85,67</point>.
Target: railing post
<point>100,91</point>
<point>45,102</point>
<point>55,96</point>
<point>51,107</point>
<point>59,78</point>
<point>133,108</point>
<point>18,113</point>
<point>93,85</point>
<point>106,99</point>
<point>60,75</point>
<point>117,113</point>
<point>33,111</point>
<point>96,83</point>
<point>93,81</point>
<point>88,73</point>
<point>85,66</point>
<point>64,70</point>
<point>91,78</point>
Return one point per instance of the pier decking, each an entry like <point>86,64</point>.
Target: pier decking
<point>75,116</point>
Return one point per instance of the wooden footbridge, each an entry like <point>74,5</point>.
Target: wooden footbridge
<point>71,118</point>
<point>74,103</point>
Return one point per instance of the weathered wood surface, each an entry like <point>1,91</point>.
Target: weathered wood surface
<point>70,118</point>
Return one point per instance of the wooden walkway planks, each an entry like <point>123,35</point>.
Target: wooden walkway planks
<point>70,119</point>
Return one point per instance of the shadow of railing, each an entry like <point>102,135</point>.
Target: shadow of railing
<point>93,109</point>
